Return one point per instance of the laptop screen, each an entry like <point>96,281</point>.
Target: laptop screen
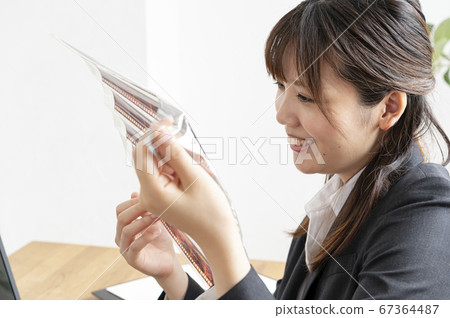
<point>8,290</point>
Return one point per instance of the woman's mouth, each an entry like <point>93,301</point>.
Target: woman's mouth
<point>297,144</point>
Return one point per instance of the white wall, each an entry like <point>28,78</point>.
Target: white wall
<point>62,173</point>
<point>62,170</point>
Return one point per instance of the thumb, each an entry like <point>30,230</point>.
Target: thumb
<point>174,154</point>
<point>134,195</point>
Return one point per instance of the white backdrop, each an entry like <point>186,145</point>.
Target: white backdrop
<point>62,172</point>
<point>62,169</point>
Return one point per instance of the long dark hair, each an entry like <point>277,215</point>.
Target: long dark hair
<point>377,46</point>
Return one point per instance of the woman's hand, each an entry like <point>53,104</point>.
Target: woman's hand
<point>187,197</point>
<point>181,191</point>
<point>148,247</point>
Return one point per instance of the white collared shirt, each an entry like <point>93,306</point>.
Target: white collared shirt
<point>323,209</point>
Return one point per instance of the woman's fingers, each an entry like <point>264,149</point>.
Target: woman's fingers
<point>130,231</point>
<point>161,187</point>
<point>178,159</point>
<point>125,205</point>
<point>167,169</point>
<point>128,216</point>
<point>144,159</point>
<point>147,170</point>
<point>139,244</point>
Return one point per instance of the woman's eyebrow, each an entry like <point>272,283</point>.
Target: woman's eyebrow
<point>301,83</point>
<point>298,82</point>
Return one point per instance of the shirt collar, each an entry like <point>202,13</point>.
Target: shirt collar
<point>333,194</point>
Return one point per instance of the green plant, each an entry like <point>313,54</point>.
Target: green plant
<point>440,37</point>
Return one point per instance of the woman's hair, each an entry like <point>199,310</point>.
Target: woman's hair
<point>377,46</point>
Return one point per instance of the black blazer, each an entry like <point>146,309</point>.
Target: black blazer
<point>401,251</point>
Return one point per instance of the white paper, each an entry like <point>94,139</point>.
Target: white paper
<point>147,288</point>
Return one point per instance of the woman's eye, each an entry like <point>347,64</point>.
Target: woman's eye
<point>280,86</point>
<point>304,99</point>
<point>300,97</point>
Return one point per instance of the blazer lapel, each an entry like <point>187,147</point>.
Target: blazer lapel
<point>310,280</point>
<point>297,276</point>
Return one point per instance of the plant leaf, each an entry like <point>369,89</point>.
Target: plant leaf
<point>447,76</point>
<point>442,32</point>
<point>439,46</point>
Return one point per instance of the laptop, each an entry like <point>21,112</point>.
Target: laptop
<point>8,289</point>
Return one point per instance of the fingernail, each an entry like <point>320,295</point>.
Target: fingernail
<point>156,233</point>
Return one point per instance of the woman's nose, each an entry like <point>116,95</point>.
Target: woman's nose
<point>285,115</point>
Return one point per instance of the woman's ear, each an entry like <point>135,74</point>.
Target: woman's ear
<point>392,107</point>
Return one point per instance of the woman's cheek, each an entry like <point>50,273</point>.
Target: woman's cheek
<point>330,149</point>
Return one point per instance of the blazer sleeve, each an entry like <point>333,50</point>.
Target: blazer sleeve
<point>250,287</point>
<point>192,292</point>
<point>407,254</point>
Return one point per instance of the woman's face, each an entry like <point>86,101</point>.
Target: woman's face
<point>343,155</point>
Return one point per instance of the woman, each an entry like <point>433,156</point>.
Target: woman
<point>352,79</point>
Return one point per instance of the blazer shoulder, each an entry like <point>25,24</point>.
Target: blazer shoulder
<point>423,172</point>
<point>405,235</point>
<point>423,192</point>
<point>423,182</point>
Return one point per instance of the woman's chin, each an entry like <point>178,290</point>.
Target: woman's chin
<point>307,167</point>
